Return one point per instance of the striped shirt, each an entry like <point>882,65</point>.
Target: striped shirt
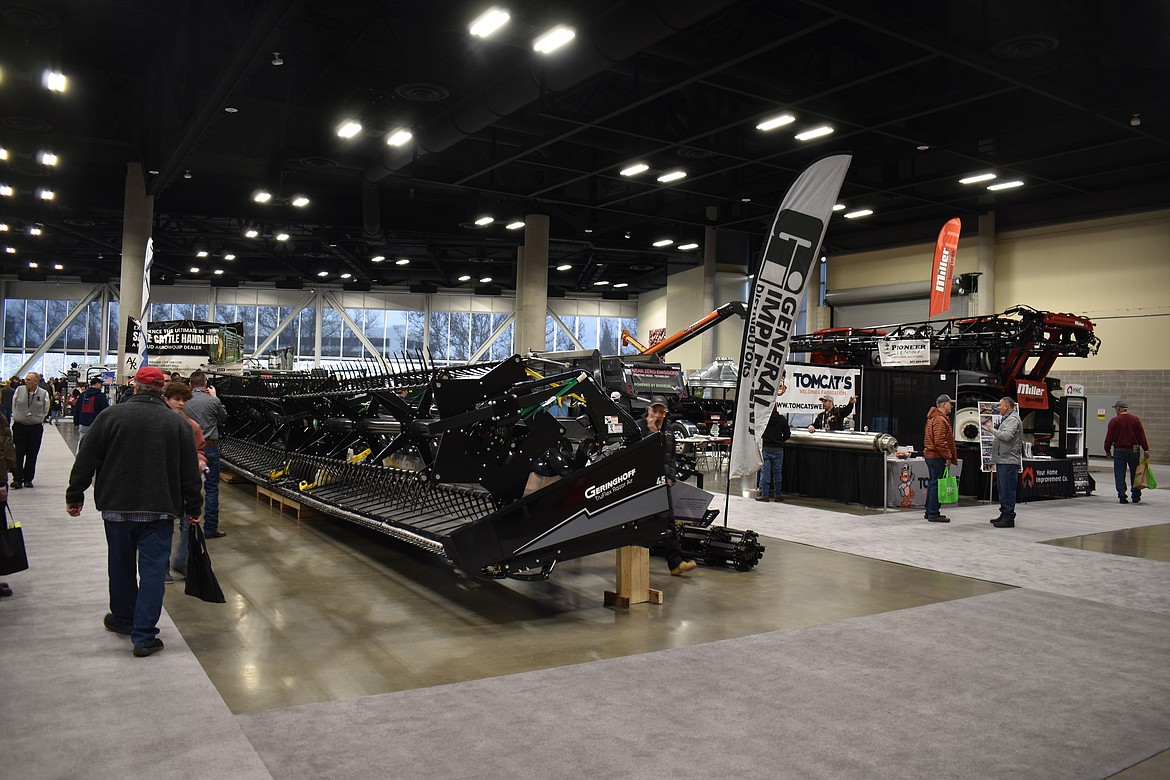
<point>134,517</point>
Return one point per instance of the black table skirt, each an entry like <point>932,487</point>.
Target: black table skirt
<point>850,476</point>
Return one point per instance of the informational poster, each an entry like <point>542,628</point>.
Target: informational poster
<point>904,352</point>
<point>988,413</point>
<point>187,345</point>
<point>804,386</point>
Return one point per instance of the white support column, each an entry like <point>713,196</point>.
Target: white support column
<point>137,218</point>
<point>104,332</point>
<point>532,284</point>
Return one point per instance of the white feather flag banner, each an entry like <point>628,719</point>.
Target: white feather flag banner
<point>777,293</point>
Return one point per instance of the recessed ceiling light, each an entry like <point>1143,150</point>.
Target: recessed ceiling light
<point>6,190</point>
<point>201,253</point>
<point>858,213</point>
<point>488,22</point>
<point>300,201</point>
<point>484,220</point>
<point>153,172</point>
<point>229,257</point>
<point>3,227</point>
<point>55,81</point>
<point>34,231</point>
<point>10,250</point>
<point>349,128</point>
<point>776,121</point>
<point>281,236</point>
<point>922,147</point>
<point>672,176</point>
<point>465,278</point>
<point>377,258</point>
<point>33,264</point>
<point>194,269</point>
<point>3,153</point>
<point>322,273</point>
<point>402,261</point>
<point>58,267</point>
<point>815,132</point>
<point>688,247</point>
<point>634,169</point>
<point>553,39</point>
<point>399,137</point>
<point>622,284</point>
<point>565,267</point>
<point>1005,185</point>
<point>48,158</point>
<point>485,280</point>
<point>347,275</point>
<point>514,225</point>
<point>262,196</point>
<point>46,194</point>
<point>230,109</point>
<point>600,283</point>
<point>218,272</point>
<point>664,242</point>
<point>838,207</point>
<point>251,233</point>
<point>977,178</point>
<point>588,230</point>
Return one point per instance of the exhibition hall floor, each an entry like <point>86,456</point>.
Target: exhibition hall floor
<point>339,649</point>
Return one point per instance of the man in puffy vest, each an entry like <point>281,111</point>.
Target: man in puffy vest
<point>88,406</point>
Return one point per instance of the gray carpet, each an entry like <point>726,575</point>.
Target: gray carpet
<point>1013,684</point>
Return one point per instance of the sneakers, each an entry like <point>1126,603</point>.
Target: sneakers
<point>1004,523</point>
<point>1123,500</point>
<point>111,624</point>
<point>141,651</point>
<point>762,498</point>
<point>938,518</point>
<point>685,566</point>
<point>167,580</point>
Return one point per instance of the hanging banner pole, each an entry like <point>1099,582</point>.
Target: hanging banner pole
<point>946,250</point>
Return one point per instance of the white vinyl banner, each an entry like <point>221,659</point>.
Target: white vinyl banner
<point>904,352</point>
<point>805,386</point>
<point>777,293</point>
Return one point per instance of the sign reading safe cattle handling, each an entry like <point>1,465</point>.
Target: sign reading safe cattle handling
<point>187,345</point>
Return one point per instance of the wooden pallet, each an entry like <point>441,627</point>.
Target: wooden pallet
<point>231,477</point>
<point>633,580</point>
<point>284,502</point>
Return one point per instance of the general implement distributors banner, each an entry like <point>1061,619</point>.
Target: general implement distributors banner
<point>805,386</point>
<point>187,345</point>
<point>946,249</point>
<point>777,295</point>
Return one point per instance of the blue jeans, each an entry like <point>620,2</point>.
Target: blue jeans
<point>1122,460</point>
<point>138,557</point>
<point>772,472</point>
<point>1007,480</point>
<point>935,468</point>
<point>211,490</point>
<point>179,559</point>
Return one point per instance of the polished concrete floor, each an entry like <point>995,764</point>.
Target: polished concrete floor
<point>1151,541</point>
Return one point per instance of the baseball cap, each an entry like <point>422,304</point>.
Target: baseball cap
<point>944,399</point>
<point>149,375</point>
<point>659,401</point>
<point>97,380</point>
<point>1121,405</point>
<point>824,398</point>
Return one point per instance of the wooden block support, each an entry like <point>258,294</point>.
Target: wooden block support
<point>284,502</point>
<point>231,477</point>
<point>633,579</point>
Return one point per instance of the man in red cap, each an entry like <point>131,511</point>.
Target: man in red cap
<point>148,475</point>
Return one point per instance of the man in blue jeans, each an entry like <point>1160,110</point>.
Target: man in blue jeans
<point>147,475</point>
<point>772,451</point>
<point>207,410</point>
<point>938,450</point>
<point>1007,453</point>
<point>1125,439</point>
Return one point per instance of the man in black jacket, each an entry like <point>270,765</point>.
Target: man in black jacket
<point>147,475</point>
<point>772,450</point>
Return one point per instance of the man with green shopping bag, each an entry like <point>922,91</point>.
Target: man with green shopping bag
<point>939,450</point>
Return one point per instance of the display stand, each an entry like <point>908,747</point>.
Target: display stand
<point>230,477</point>
<point>633,579</point>
<point>284,502</point>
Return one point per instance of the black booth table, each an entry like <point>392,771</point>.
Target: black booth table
<point>819,466</point>
<point>1039,478</point>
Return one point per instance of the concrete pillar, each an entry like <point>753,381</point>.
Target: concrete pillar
<point>137,218</point>
<point>985,298</point>
<point>707,340</point>
<point>104,332</point>
<point>532,284</point>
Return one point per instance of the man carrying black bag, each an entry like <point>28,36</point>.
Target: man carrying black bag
<point>148,475</point>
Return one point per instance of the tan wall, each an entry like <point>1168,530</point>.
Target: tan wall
<point>895,266</point>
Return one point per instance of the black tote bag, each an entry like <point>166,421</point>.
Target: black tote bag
<point>12,554</point>
<point>201,581</point>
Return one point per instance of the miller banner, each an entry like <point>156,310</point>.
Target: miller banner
<point>787,263</point>
<point>946,249</point>
<point>185,345</point>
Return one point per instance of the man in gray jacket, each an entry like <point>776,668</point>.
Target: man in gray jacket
<point>1007,450</point>
<point>30,407</point>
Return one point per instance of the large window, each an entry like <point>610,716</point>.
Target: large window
<point>28,322</point>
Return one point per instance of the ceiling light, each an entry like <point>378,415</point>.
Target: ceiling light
<point>262,196</point>
<point>3,227</point>
<point>485,280</point>
<point>55,81</point>
<point>349,128</point>
<point>485,220</point>
<point>634,169</point>
<point>776,121</point>
<point>399,137</point>
<point>230,109</point>
<point>816,132</point>
<point>218,272</point>
<point>377,258</point>
<point>553,39</point>
<point>1005,185</point>
<point>838,207</point>
<point>58,267</point>
<point>300,201</point>
<point>664,242</point>
<point>186,174</point>
<point>153,172</point>
<point>281,236</point>
<point>977,178</point>
<point>48,158</point>
<point>514,225</point>
<point>33,264</point>
<point>194,269</point>
<point>277,60</point>
<point>672,176</point>
<point>229,257</point>
<point>922,147</point>
<point>10,250</point>
<point>402,261</point>
<point>34,231</point>
<point>622,284</point>
<point>322,273</point>
<point>3,153</point>
<point>588,230</point>
<point>465,278</point>
<point>688,247</point>
<point>858,213</point>
<point>201,253</point>
<point>347,275</point>
<point>5,190</point>
<point>46,194</point>
<point>488,22</point>
<point>1135,120</point>
<point>600,283</point>
<point>565,267</point>
<point>251,233</point>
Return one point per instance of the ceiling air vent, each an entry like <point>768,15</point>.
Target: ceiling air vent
<point>421,92</point>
